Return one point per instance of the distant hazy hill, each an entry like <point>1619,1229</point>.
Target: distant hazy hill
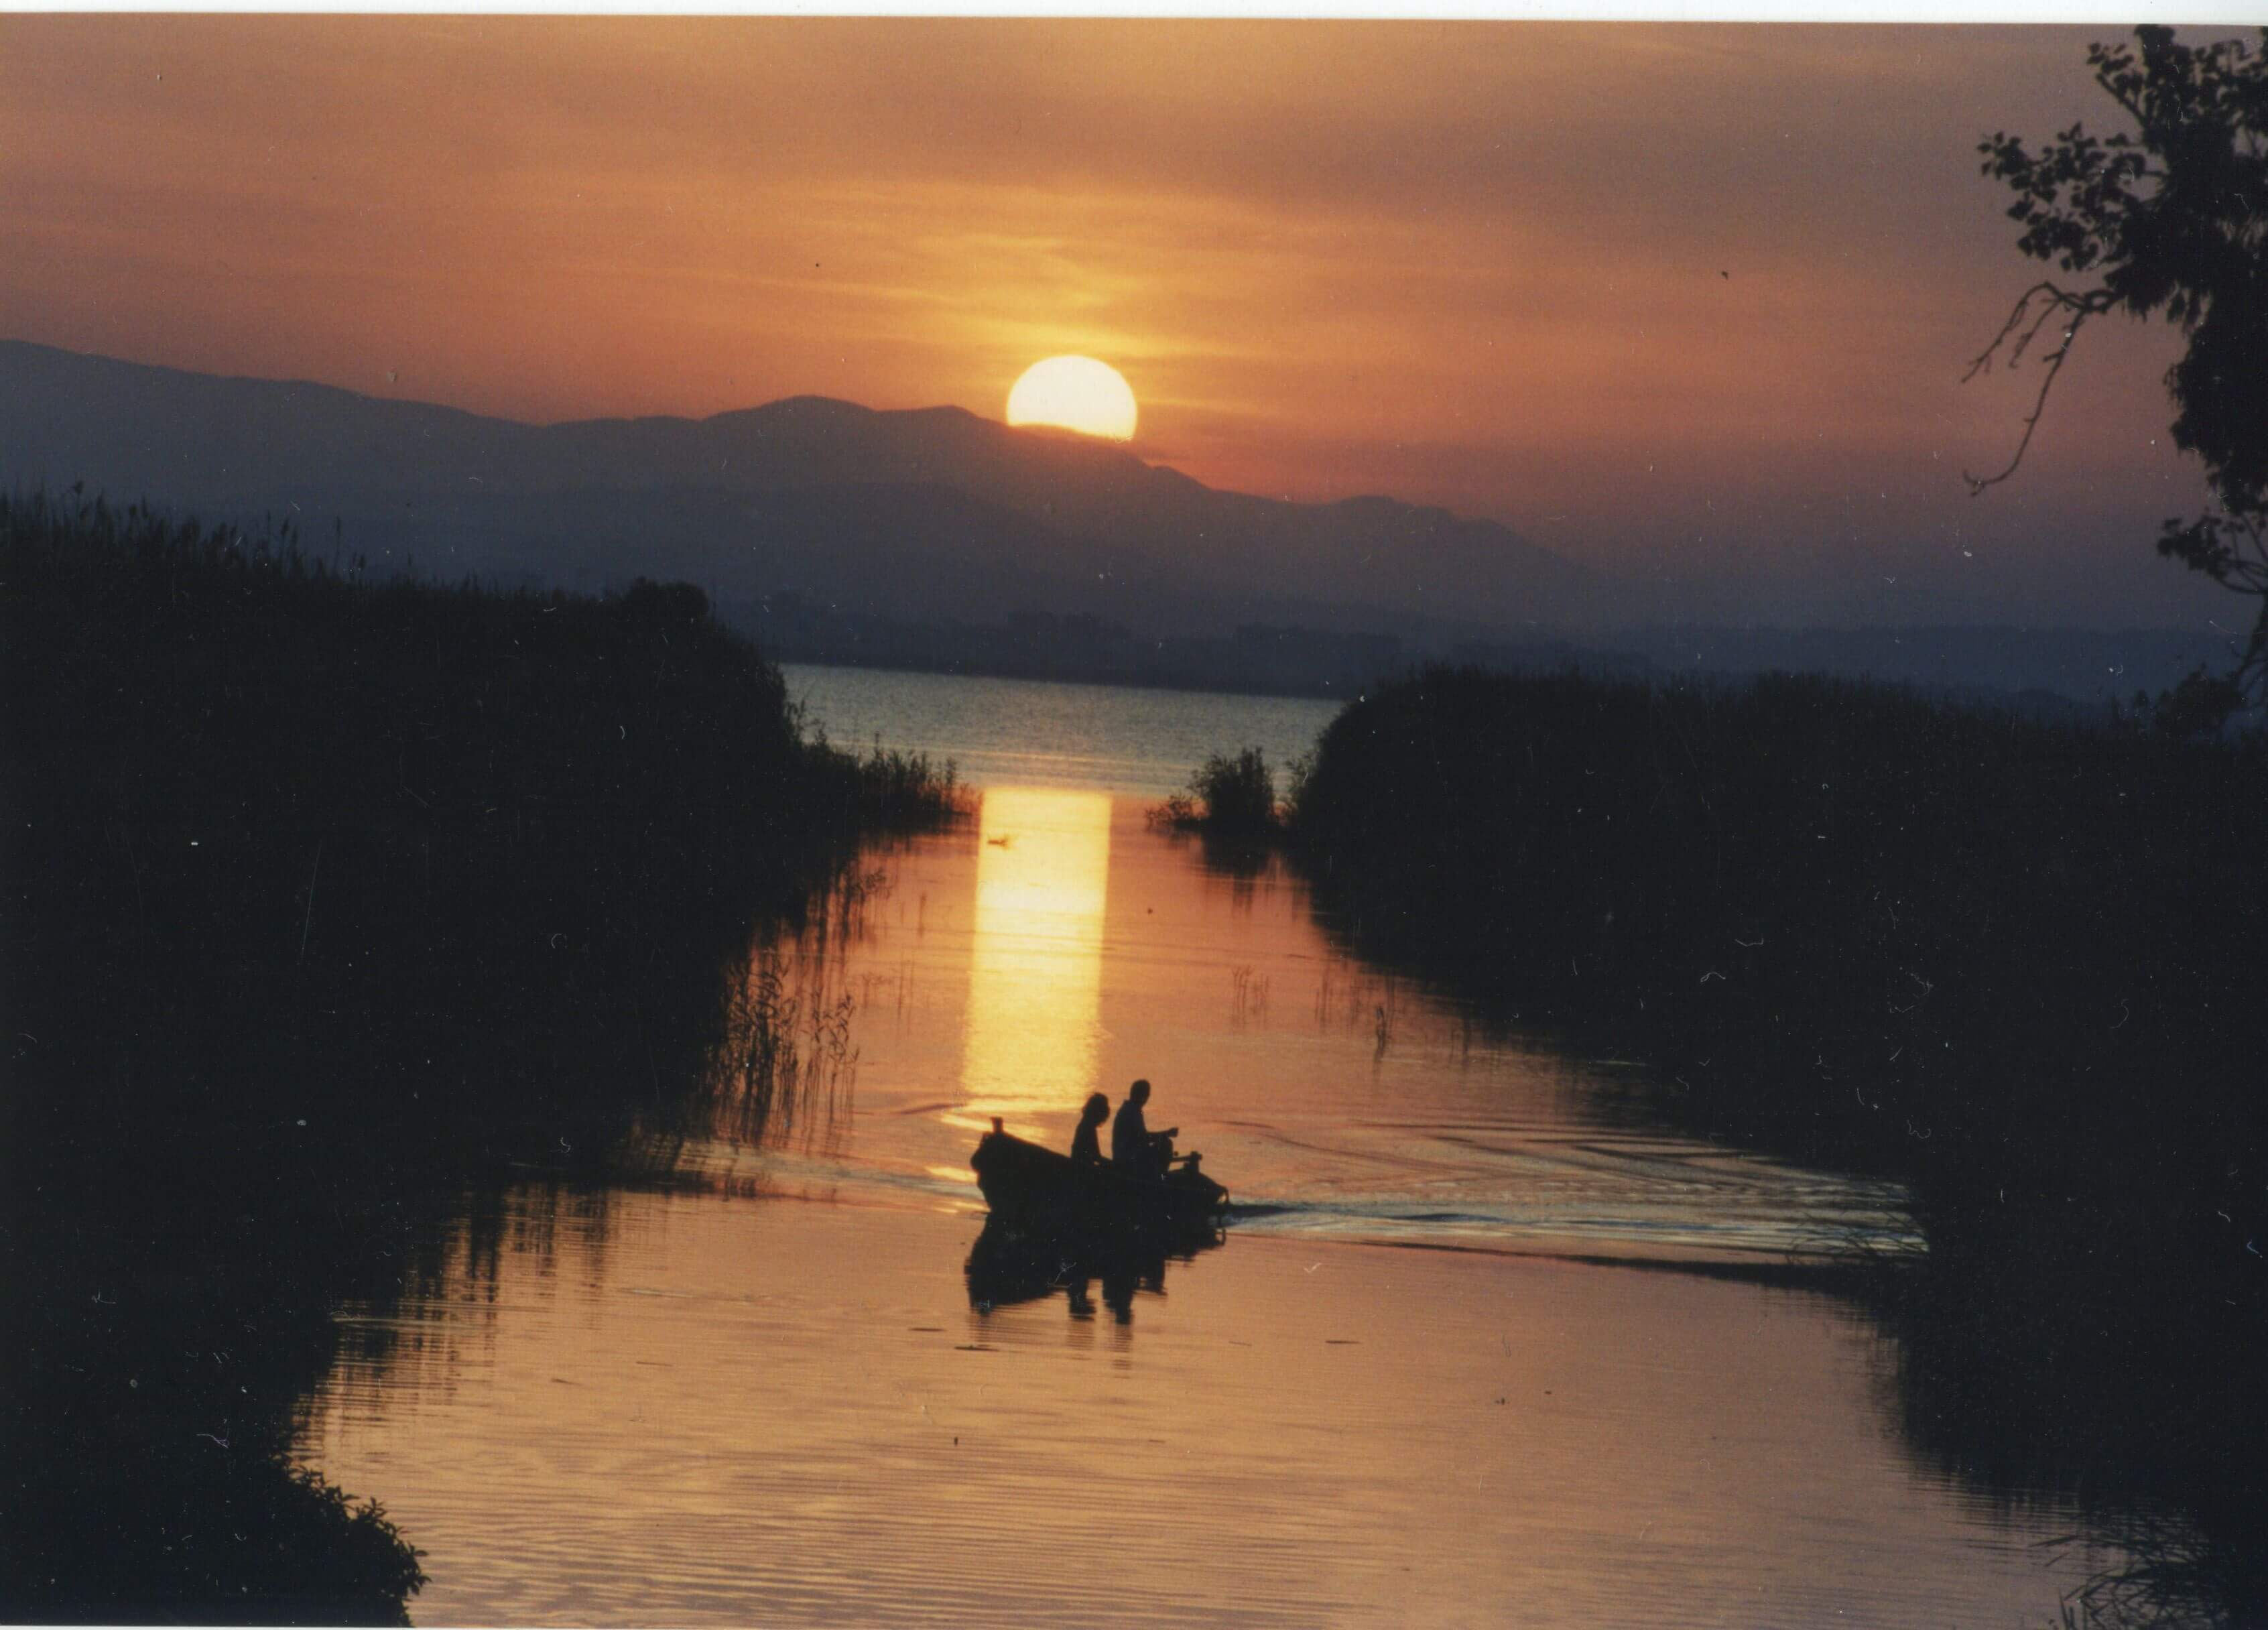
<point>932,513</point>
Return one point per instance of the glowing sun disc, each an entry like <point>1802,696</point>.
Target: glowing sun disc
<point>1075,393</point>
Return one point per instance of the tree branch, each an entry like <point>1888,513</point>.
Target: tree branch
<point>2080,306</point>
<point>2253,572</point>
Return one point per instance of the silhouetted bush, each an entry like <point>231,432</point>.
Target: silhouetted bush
<point>326,896</point>
<point>1228,796</point>
<point>2019,965</point>
<point>1841,883</point>
<point>246,1540</point>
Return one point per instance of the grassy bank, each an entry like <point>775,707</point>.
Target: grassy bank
<point>325,895</point>
<point>2018,965</point>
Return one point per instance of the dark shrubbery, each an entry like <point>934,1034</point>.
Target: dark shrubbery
<point>1230,796</point>
<point>324,896</point>
<point>246,1539</point>
<point>267,811</point>
<point>1818,886</point>
<point>2019,965</point>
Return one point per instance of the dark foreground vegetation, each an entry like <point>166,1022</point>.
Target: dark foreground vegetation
<point>1230,807</point>
<point>2020,966</point>
<point>326,899</point>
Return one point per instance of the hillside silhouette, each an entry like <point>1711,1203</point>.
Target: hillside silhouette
<point>933,509</point>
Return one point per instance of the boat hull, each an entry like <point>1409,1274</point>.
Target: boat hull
<point>1036,1191</point>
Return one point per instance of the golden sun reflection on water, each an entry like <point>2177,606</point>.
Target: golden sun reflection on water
<point>1035,956</point>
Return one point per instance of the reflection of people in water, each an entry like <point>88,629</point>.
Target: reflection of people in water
<point>1075,1288</point>
<point>1118,1288</point>
<point>1134,1148</point>
<point>1005,1269</point>
<point>1086,1142</point>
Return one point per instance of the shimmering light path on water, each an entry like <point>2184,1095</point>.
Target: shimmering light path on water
<point>1062,946</point>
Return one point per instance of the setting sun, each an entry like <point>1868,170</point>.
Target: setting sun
<point>1075,393</point>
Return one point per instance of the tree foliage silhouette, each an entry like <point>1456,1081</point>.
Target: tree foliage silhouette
<point>2169,220</point>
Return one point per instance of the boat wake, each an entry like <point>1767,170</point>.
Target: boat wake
<point>1626,1209</point>
<point>1633,1232</point>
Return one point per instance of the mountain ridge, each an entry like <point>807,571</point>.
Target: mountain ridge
<point>235,443</point>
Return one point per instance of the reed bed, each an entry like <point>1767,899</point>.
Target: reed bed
<point>332,897</point>
<point>2016,964</point>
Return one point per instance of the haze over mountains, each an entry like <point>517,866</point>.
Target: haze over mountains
<point>825,525</point>
<point>927,513</point>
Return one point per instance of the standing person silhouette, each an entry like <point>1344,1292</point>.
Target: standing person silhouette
<point>1134,1148</point>
<point>1086,1142</point>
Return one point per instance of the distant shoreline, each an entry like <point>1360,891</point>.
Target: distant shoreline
<point>2035,701</point>
<point>1194,684</point>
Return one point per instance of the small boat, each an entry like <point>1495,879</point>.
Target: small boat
<point>1036,1189</point>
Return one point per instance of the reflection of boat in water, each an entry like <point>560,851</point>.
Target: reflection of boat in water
<point>1007,1266</point>
<point>1060,1224</point>
<point>1038,1192</point>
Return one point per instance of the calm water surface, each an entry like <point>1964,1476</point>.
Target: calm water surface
<point>1476,1353</point>
<point>1031,732</point>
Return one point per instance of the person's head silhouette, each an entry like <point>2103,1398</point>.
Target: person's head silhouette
<point>1139,1093</point>
<point>1098,1107</point>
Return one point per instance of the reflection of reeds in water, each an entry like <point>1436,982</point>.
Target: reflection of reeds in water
<point>1347,999</point>
<point>895,988</point>
<point>2167,1577</point>
<point>786,1060</point>
<point>1248,994</point>
<point>837,918</point>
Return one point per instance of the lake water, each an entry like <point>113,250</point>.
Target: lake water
<point>1481,1348</point>
<point>1140,744</point>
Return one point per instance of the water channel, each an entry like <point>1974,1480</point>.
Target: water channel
<point>1482,1347</point>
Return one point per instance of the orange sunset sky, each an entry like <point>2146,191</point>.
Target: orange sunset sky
<point>1669,299</point>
